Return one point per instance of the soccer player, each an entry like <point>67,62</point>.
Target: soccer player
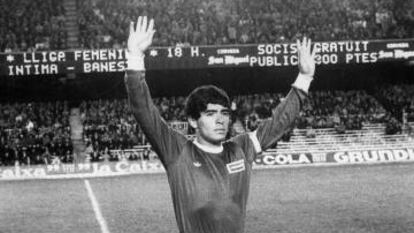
<point>209,176</point>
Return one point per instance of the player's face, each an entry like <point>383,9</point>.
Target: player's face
<point>213,124</point>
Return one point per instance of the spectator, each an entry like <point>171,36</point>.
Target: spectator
<point>29,25</point>
<point>32,129</point>
<point>229,22</point>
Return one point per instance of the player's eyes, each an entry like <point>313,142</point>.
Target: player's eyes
<point>212,113</point>
<point>226,113</point>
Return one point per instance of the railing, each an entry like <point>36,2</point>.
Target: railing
<point>369,142</point>
<point>370,137</point>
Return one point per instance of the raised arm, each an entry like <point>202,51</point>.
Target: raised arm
<point>166,142</point>
<point>283,117</point>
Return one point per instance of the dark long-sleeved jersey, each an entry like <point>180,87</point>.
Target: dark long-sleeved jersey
<point>209,188</point>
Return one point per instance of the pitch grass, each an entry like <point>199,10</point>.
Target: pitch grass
<point>374,198</point>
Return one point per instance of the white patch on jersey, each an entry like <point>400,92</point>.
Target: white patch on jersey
<point>236,166</point>
<point>197,164</point>
<point>255,141</point>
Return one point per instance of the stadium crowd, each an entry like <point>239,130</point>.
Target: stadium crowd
<point>32,25</point>
<point>28,25</point>
<point>400,100</point>
<point>104,23</point>
<point>39,133</point>
<point>35,133</point>
<point>109,125</point>
<point>341,110</point>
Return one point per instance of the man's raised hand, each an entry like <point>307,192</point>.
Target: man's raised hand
<point>306,58</point>
<point>140,36</point>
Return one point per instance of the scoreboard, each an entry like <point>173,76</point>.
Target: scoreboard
<point>197,57</point>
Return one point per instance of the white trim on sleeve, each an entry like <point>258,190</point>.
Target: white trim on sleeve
<point>135,62</point>
<point>303,82</point>
<point>255,141</point>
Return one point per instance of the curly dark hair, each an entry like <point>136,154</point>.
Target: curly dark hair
<point>200,97</point>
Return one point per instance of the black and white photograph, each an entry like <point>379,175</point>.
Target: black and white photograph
<point>207,116</point>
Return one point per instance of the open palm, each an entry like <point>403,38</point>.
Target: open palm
<point>140,37</point>
<point>306,58</point>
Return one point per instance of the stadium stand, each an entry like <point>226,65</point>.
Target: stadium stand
<point>324,109</point>
<point>104,23</point>
<point>35,133</point>
<point>370,137</point>
<point>40,25</point>
<point>108,124</point>
<point>327,109</point>
<point>399,100</point>
<point>32,25</point>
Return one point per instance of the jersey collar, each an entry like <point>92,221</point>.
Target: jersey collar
<point>214,150</point>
